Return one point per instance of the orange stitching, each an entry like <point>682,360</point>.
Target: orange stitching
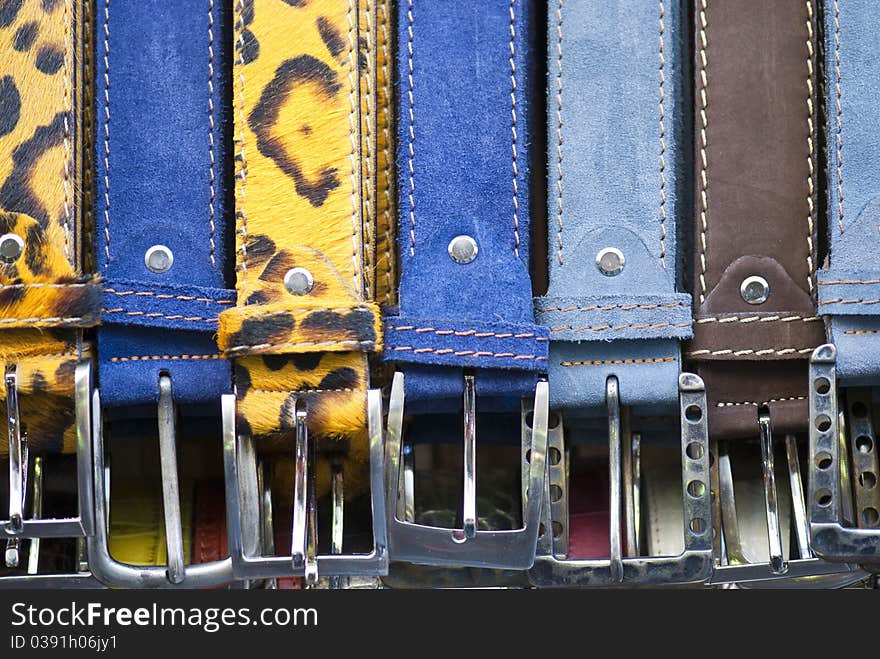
<point>467,353</point>
<point>861,332</point>
<point>146,358</point>
<point>474,333</point>
<point>662,94</point>
<point>162,315</point>
<point>616,328</point>
<point>618,362</point>
<point>840,282</point>
<point>165,296</point>
<point>619,307</point>
<point>46,285</point>
<point>853,301</point>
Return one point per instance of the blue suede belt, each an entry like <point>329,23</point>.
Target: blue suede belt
<point>162,158</point>
<point>463,162</point>
<point>617,136</point>
<point>849,289</point>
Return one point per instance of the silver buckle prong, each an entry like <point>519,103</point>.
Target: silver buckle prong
<point>468,546</point>
<point>771,498</point>
<point>175,574</point>
<point>243,508</point>
<point>736,567</point>
<point>695,563</point>
<point>829,537</point>
<point>19,526</point>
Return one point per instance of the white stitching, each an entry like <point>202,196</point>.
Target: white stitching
<point>839,132</point>
<point>662,142</point>
<point>704,129</point>
<point>467,353</point>
<point>304,344</point>
<point>471,332</point>
<point>211,126</point>
<point>513,130</point>
<point>107,132</point>
<point>412,133</point>
<point>386,131</point>
<point>559,132</point>
<point>68,54</point>
<point>739,353</point>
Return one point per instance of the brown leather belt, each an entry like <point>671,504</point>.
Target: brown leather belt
<point>754,263</point>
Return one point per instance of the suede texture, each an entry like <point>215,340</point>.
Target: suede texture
<point>463,167</point>
<point>161,133</point>
<point>618,131</point>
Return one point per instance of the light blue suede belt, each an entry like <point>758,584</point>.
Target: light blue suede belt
<point>617,139</point>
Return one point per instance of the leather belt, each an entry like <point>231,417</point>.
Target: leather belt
<point>45,280</point>
<point>613,306</point>
<point>755,321</point>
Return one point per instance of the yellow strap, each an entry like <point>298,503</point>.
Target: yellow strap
<point>386,193</point>
<point>41,175</point>
<point>300,204</point>
<point>137,528</point>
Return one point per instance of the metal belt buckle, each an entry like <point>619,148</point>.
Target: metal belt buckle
<point>468,546</point>
<point>247,508</point>
<point>735,566</point>
<point>26,488</point>
<point>175,574</point>
<point>832,533</point>
<point>694,564</point>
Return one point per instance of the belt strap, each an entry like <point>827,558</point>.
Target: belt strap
<point>44,284</point>
<point>463,134</point>
<point>137,531</point>
<point>302,326</point>
<point>755,154</point>
<point>849,289</point>
<point>161,208</point>
<point>617,124</point>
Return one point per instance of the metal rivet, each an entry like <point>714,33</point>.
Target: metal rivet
<point>298,281</point>
<point>754,290</point>
<point>11,247</point>
<point>610,261</point>
<point>462,249</point>
<point>159,258</point>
